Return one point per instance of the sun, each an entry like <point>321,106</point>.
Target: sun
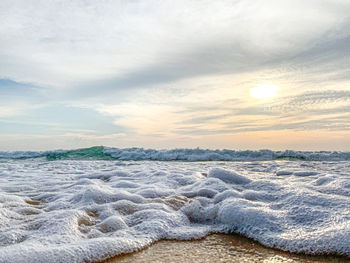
<point>264,91</point>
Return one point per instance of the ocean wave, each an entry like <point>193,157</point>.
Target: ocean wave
<point>191,155</point>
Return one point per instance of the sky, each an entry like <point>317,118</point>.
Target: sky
<point>175,74</point>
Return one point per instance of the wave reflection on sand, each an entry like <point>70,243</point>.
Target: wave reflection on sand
<point>216,248</point>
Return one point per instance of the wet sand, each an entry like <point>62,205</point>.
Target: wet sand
<point>216,248</point>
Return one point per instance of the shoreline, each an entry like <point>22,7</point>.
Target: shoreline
<point>217,248</point>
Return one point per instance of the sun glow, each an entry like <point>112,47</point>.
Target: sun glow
<point>264,91</point>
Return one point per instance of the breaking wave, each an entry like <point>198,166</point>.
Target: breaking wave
<point>141,154</point>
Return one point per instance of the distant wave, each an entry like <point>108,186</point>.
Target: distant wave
<point>191,155</point>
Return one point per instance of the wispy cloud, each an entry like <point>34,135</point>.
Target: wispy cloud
<point>327,110</point>
<point>172,69</point>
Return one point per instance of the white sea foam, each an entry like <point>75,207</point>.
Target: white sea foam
<point>84,211</point>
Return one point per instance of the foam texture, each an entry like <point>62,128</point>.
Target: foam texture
<point>89,210</point>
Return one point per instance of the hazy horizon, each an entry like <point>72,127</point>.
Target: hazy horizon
<point>175,74</point>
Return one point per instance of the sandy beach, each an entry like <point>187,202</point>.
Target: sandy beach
<point>216,248</point>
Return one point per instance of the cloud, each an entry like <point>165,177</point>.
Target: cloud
<point>327,110</point>
<point>170,69</point>
<point>136,43</point>
<point>9,111</point>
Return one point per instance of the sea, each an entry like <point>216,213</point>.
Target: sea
<point>87,205</point>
